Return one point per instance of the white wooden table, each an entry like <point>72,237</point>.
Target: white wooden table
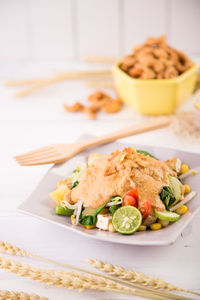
<point>40,119</point>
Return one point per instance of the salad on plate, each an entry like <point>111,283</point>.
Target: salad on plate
<point>124,191</point>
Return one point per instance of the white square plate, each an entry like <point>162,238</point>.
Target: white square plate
<point>40,205</point>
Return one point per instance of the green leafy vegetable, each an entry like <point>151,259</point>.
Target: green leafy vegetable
<point>145,153</point>
<point>113,208</point>
<point>99,210</point>
<point>91,220</point>
<point>167,197</point>
<point>87,220</point>
<point>75,177</point>
<point>75,184</point>
<point>75,171</point>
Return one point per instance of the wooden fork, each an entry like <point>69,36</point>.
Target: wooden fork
<point>60,152</point>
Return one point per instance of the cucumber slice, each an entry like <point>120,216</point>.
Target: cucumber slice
<point>176,190</point>
<point>167,215</point>
<point>88,211</point>
<point>63,211</point>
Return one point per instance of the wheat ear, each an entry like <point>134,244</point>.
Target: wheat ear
<point>74,280</point>
<point>7,295</point>
<point>13,250</point>
<point>136,277</point>
<point>70,280</point>
<point>61,76</point>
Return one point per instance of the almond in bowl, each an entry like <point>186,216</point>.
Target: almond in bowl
<point>156,78</point>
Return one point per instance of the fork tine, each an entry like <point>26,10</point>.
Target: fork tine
<point>38,155</point>
<point>38,158</point>
<point>30,153</point>
<point>51,159</point>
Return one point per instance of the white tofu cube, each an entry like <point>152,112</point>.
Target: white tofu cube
<point>103,221</point>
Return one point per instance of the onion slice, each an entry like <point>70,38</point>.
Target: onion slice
<point>189,197</point>
<point>77,207</point>
<point>189,173</point>
<point>71,206</point>
<point>77,211</point>
<point>113,203</point>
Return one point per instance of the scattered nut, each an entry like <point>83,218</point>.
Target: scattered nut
<point>90,113</point>
<point>112,107</point>
<point>99,101</point>
<point>74,108</point>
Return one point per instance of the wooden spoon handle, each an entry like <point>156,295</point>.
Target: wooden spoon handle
<point>149,125</point>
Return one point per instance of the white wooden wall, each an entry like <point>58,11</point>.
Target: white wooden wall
<point>70,29</point>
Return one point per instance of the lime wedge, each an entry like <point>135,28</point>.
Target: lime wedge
<point>127,219</point>
<point>167,215</point>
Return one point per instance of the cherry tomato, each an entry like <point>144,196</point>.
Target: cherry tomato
<point>134,193</point>
<point>129,200</point>
<point>145,208</point>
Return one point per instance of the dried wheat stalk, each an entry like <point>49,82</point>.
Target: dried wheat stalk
<point>100,84</point>
<point>41,83</point>
<point>7,295</point>
<point>74,280</point>
<point>12,250</point>
<point>9,249</point>
<point>19,82</point>
<point>137,277</point>
<point>70,280</point>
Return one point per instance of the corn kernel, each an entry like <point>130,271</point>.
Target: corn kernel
<point>89,226</point>
<point>80,165</point>
<point>111,228</point>
<point>181,210</point>
<point>187,188</point>
<point>163,223</point>
<point>142,228</point>
<point>155,226</point>
<point>73,220</point>
<point>194,172</point>
<point>184,168</point>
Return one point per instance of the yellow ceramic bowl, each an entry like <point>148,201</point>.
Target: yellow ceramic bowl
<point>154,96</point>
